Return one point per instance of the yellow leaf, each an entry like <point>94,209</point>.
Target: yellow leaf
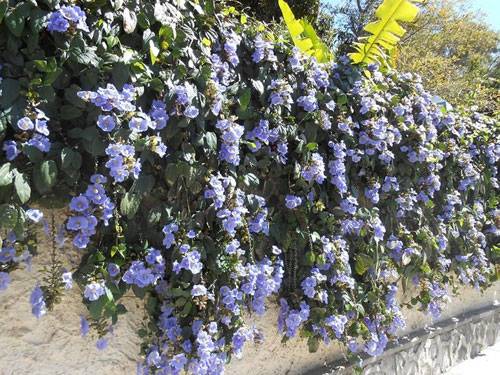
<point>303,35</point>
<point>385,31</point>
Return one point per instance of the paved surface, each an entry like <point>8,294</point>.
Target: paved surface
<point>486,363</point>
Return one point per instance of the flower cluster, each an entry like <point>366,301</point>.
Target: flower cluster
<point>237,213</point>
<point>68,16</point>
<point>36,126</point>
<point>88,209</point>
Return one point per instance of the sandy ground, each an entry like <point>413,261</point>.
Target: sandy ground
<point>52,345</point>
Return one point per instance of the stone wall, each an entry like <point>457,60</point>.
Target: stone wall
<point>433,350</point>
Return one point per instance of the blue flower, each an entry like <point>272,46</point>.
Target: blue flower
<point>67,279</point>
<point>25,124</point>
<point>106,122</point>
<point>34,215</point>
<point>37,300</point>
<point>308,102</point>
<point>79,204</point>
<point>84,326</point>
<point>231,135</point>
<point>337,323</point>
<point>4,280</point>
<point>198,290</point>
<point>191,112</point>
<point>94,291</point>
<point>11,151</point>
<point>349,205</point>
<point>315,170</point>
<point>113,269</point>
<point>57,23</point>
<point>101,343</point>
<point>292,201</point>
<point>139,124</point>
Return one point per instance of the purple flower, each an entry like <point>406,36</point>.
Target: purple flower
<point>84,326</point>
<point>25,124</point>
<point>40,142</point>
<point>113,269</point>
<point>308,285</point>
<point>337,323</point>
<point>101,343</point>
<point>198,290</point>
<point>308,102</point>
<point>349,205</point>
<point>60,20</point>
<point>139,124</point>
<point>106,122</point>
<point>37,300</point>
<point>191,112</point>
<point>159,115</point>
<point>34,215</point>
<point>79,204</point>
<point>169,231</point>
<point>57,23</point>
<point>94,291</point>
<point>190,262</point>
<point>372,193</point>
<point>4,280</point>
<point>315,170</point>
<point>67,279</point>
<point>292,201</point>
<point>11,151</point>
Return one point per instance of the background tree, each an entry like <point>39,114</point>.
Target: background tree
<point>450,46</point>
<point>456,53</point>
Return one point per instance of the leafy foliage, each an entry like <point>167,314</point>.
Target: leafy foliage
<point>210,168</point>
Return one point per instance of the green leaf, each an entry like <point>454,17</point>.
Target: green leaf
<point>15,21</point>
<point>259,86</point>
<point>130,204</point>
<point>245,99</point>
<point>313,344</point>
<point>71,160</point>
<point>8,216</point>
<point>45,176</point>
<point>96,307</point>
<point>312,146</point>
<point>3,9</point>
<point>6,175</point>
<point>69,112</point>
<point>154,51</point>
<point>363,263</point>
<point>22,186</point>
<point>310,258</point>
<point>143,185</point>
<point>210,140</point>
<point>10,91</point>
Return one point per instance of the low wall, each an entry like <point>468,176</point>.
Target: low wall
<point>293,358</point>
<point>52,345</point>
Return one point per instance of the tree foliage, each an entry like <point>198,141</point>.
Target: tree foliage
<point>449,46</point>
<point>456,53</point>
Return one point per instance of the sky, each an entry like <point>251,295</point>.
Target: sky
<point>491,9</point>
